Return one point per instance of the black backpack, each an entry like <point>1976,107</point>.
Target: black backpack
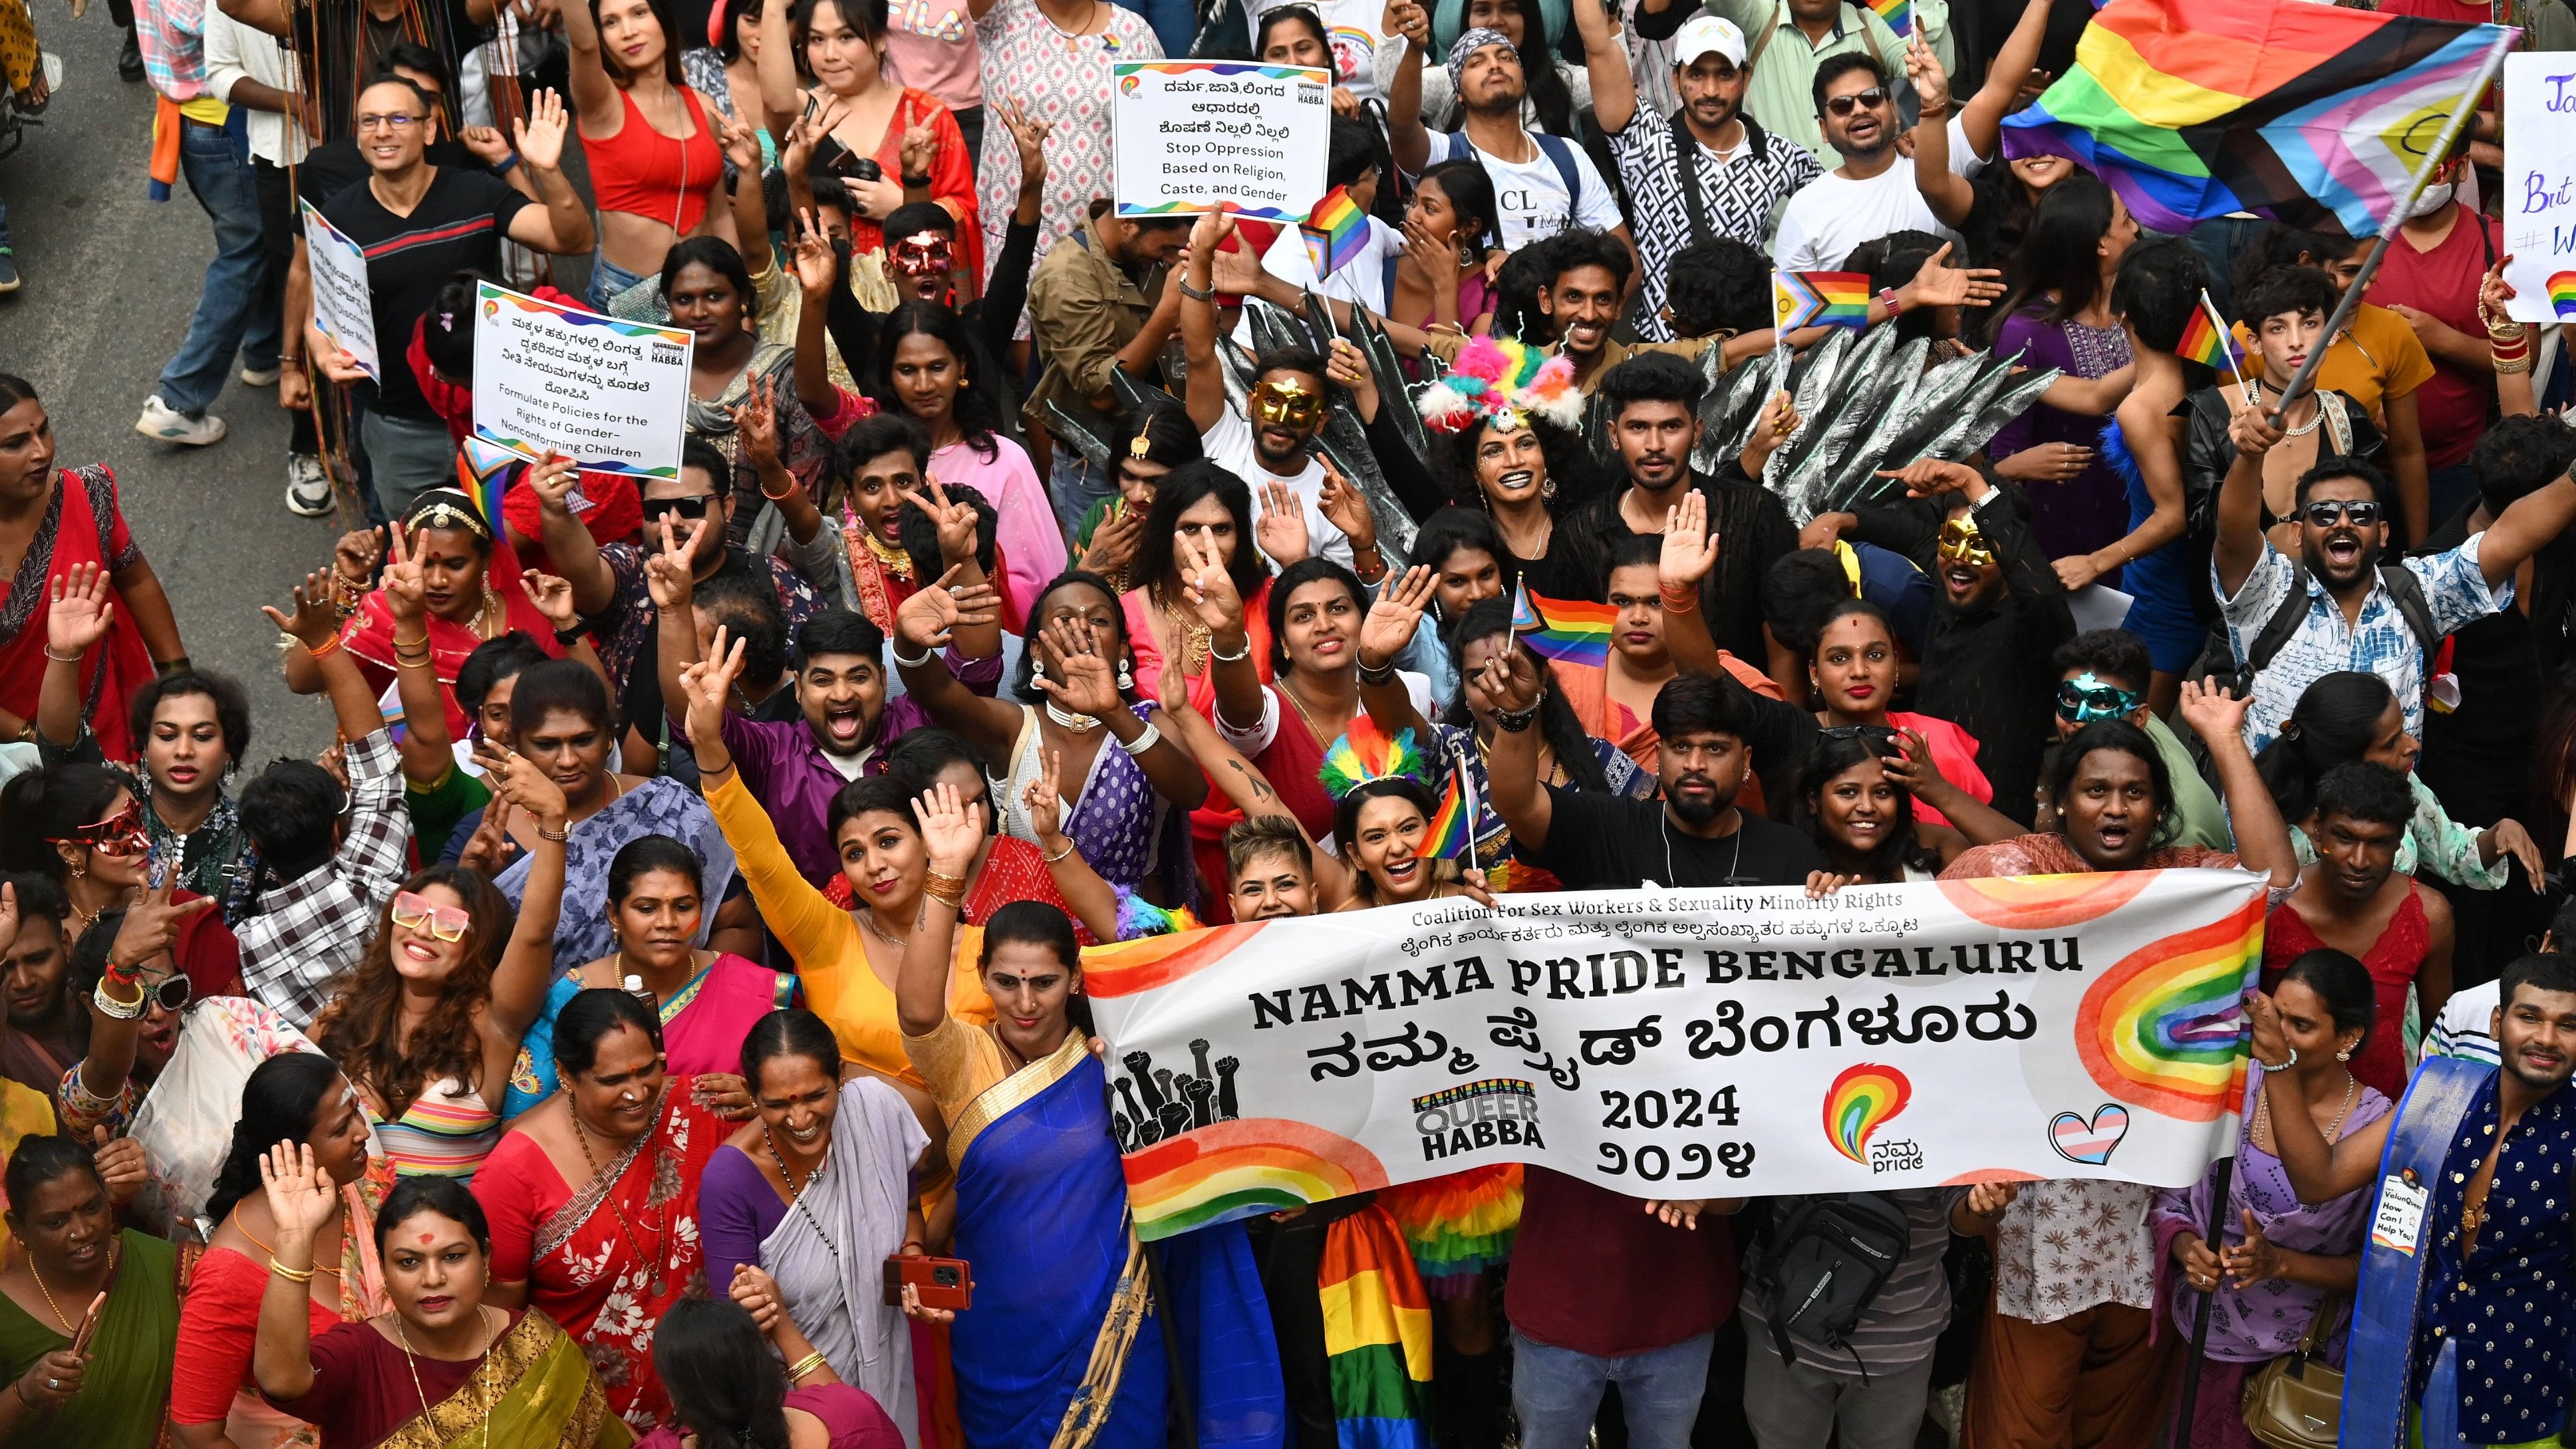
<point>2405,590</point>
<point>1825,1260</point>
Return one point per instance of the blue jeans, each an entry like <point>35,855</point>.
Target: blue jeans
<point>1556,1392</point>
<point>1074,485</point>
<point>607,279</point>
<point>238,311</point>
<point>4,223</point>
<point>1175,22</point>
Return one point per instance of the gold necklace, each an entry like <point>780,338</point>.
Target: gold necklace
<point>653,1285</point>
<point>69,1329</point>
<point>889,558</point>
<point>869,917</point>
<point>489,1337</point>
<point>1194,636</point>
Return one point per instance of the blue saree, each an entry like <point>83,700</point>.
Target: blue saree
<point>1065,1345</point>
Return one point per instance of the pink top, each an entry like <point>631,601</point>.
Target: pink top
<point>931,46</point>
<point>1032,547</point>
<point>1954,750</point>
<point>852,1419</point>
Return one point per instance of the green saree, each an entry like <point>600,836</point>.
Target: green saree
<point>535,1389</point>
<point>126,1393</point>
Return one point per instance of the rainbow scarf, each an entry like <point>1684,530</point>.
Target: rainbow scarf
<point>1377,1333</point>
<point>1569,631</point>
<point>2310,114</point>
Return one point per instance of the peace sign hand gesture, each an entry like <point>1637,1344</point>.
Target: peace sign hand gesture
<point>404,582</point>
<point>709,684</point>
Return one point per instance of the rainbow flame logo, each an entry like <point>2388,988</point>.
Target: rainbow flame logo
<point>2161,1030</point>
<point>1128,85</point>
<point>491,308</point>
<point>1859,1102</point>
<point>2562,293</point>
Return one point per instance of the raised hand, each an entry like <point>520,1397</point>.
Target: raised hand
<point>489,850</point>
<point>741,144</point>
<point>1923,67</point>
<point>956,521</point>
<point>1348,369</point>
<point>541,133</point>
<point>1028,137</point>
<point>1938,284</point>
<point>300,1196</point>
<point>671,574</point>
<point>404,582</point>
<point>933,613</point>
<point>2493,293</point>
<point>1081,682</point>
<point>1504,684</point>
<point>1690,549</point>
<point>313,622</point>
<point>552,597</point>
<point>816,263</point>
<point>354,556</point>
<point>709,685</point>
<point>1045,801</point>
<point>2251,431</point>
<point>8,916</point>
<point>122,1167</point>
<point>951,830</point>
<point>552,479</point>
<point>519,782</point>
<point>1345,507</point>
<point>151,926</point>
<point>1206,587</point>
<point>920,147</point>
<point>756,421</point>
<point>486,143</point>
<point>1913,767</point>
<point>2211,711</point>
<point>1394,618</point>
<point>1281,529</point>
<point>82,610</point>
<point>1930,477</point>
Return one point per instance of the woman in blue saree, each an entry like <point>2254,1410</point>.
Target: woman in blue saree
<point>1064,1345</point>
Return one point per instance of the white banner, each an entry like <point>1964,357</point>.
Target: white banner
<point>1701,1043</point>
<point>2540,184</point>
<point>612,395</point>
<point>1195,135</point>
<point>342,309</point>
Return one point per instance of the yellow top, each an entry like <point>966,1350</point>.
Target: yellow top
<point>828,945</point>
<point>24,1112</point>
<point>2377,357</point>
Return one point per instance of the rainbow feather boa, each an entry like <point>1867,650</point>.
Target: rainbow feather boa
<point>1504,381</point>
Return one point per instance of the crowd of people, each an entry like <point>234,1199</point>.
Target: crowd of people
<point>602,1031</point>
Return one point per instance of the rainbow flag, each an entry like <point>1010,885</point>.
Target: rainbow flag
<point>483,472</point>
<point>1377,1333</point>
<point>1899,15</point>
<point>2562,294</point>
<point>1819,299</point>
<point>1335,231</point>
<point>1452,834</point>
<point>2310,114</point>
<point>1569,631</point>
<point>2207,341</point>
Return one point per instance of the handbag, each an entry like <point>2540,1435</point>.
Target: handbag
<point>2296,1400</point>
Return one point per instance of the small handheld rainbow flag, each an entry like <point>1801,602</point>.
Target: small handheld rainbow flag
<point>1899,15</point>
<point>1819,299</point>
<point>483,472</point>
<point>2207,341</point>
<point>1450,836</point>
<point>1569,631</point>
<point>1335,231</point>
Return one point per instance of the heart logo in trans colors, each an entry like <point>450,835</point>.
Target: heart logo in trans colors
<point>2090,1143</point>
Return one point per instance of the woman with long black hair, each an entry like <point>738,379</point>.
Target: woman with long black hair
<point>733,1382</point>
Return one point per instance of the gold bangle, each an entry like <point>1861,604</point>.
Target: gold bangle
<point>948,890</point>
<point>805,1365</point>
<point>291,1275</point>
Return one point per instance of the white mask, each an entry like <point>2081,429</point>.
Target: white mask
<point>2435,197</point>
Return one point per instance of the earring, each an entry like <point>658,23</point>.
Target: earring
<point>1547,491</point>
<point>1126,677</point>
<point>2345,1055</point>
<point>1037,666</point>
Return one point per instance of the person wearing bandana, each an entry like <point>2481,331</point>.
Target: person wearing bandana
<point>2103,674</point>
<point>1996,622</point>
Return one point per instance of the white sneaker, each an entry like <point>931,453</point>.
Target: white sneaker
<point>161,421</point>
<point>260,376</point>
<point>308,488</point>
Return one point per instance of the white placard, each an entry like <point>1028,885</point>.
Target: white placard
<point>342,308</point>
<point>2540,184</point>
<point>1194,135</point>
<point>611,394</point>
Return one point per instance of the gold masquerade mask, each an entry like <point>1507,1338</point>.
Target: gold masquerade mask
<point>1962,543</point>
<point>1286,405</point>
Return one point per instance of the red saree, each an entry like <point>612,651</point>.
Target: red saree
<point>82,525</point>
<point>608,1258</point>
<point>368,635</point>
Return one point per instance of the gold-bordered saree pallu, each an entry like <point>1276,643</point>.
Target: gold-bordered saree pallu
<point>534,1390</point>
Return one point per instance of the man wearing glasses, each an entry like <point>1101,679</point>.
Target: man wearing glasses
<point>419,224</point>
<point>1872,193</point>
<point>2337,606</point>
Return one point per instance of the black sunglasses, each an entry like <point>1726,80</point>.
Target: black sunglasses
<point>1873,98</point>
<point>2324,512</point>
<point>694,506</point>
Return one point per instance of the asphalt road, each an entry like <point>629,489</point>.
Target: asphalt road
<point>111,277</point>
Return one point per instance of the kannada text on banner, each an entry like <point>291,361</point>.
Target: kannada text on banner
<point>1699,1043</point>
<point>610,394</point>
<point>1194,135</point>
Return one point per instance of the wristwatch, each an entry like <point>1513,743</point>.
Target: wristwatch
<point>1888,296</point>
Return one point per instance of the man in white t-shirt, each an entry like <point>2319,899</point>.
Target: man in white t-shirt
<point>1542,184</point>
<point>1872,193</point>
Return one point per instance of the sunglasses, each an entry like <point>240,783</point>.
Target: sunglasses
<point>120,834</point>
<point>415,912</point>
<point>1873,98</point>
<point>2325,511</point>
<point>172,994</point>
<point>2078,705</point>
<point>694,506</point>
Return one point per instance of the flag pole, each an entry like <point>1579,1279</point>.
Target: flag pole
<point>2226,336</point>
<point>2433,158</point>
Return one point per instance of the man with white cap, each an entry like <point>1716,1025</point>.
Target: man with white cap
<point>1542,184</point>
<point>1708,170</point>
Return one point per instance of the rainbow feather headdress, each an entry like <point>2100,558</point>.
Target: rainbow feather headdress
<point>1364,753</point>
<point>1506,382</point>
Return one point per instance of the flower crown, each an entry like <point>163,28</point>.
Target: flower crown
<point>1505,382</point>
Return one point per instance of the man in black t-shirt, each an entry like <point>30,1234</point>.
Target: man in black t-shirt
<point>1694,836</point>
<point>420,223</point>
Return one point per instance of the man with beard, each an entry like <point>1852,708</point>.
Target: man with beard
<point>1542,184</point>
<point>1653,405</point>
<point>1869,195</point>
<point>2338,607</point>
<point>1706,171</point>
<point>2476,1191</point>
<point>1999,616</point>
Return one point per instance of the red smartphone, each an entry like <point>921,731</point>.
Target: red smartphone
<point>944,1282</point>
<point>89,1324</point>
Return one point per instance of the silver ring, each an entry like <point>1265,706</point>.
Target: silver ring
<point>55,1384</point>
